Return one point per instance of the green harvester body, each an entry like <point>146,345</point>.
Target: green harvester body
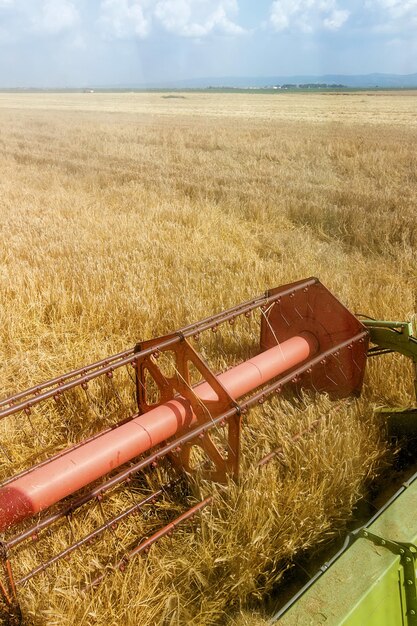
<point>371,580</point>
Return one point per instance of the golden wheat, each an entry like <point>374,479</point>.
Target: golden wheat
<point>125,216</point>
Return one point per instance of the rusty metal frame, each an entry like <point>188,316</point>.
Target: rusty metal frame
<point>56,386</point>
<point>144,546</point>
<point>173,446</point>
<point>180,384</point>
<point>223,413</point>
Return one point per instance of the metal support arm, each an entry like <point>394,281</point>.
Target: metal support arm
<point>393,337</point>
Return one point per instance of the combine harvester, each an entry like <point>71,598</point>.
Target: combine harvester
<point>187,420</point>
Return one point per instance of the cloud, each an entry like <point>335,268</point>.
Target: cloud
<point>395,8</point>
<point>307,15</point>
<point>184,18</point>
<point>23,19</point>
<point>393,15</point>
<point>197,18</point>
<point>336,19</point>
<point>56,16</point>
<point>124,18</point>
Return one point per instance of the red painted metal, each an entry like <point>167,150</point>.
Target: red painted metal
<point>308,339</point>
<point>29,398</point>
<point>195,434</point>
<point>109,525</point>
<point>46,485</point>
<point>313,308</point>
<point>146,544</point>
<point>331,356</point>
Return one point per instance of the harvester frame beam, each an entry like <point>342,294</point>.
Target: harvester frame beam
<point>341,591</point>
<point>397,584</point>
<point>308,340</point>
<point>54,388</point>
<point>408,554</point>
<point>391,336</point>
<point>388,337</point>
<point>45,486</point>
<point>196,433</point>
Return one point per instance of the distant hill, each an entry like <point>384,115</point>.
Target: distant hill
<point>360,81</point>
<point>365,81</point>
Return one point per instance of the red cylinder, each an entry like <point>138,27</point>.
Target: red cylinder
<point>48,484</point>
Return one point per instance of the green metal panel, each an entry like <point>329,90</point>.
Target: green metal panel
<point>369,585</point>
<point>383,603</point>
<point>394,337</point>
<point>372,583</point>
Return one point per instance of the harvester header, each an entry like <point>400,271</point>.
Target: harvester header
<point>187,415</point>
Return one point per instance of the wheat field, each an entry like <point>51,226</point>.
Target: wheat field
<point>126,216</point>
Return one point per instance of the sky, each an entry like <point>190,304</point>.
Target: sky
<point>68,43</point>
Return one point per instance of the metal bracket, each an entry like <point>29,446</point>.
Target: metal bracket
<point>408,555</point>
<point>178,382</point>
<point>391,336</point>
